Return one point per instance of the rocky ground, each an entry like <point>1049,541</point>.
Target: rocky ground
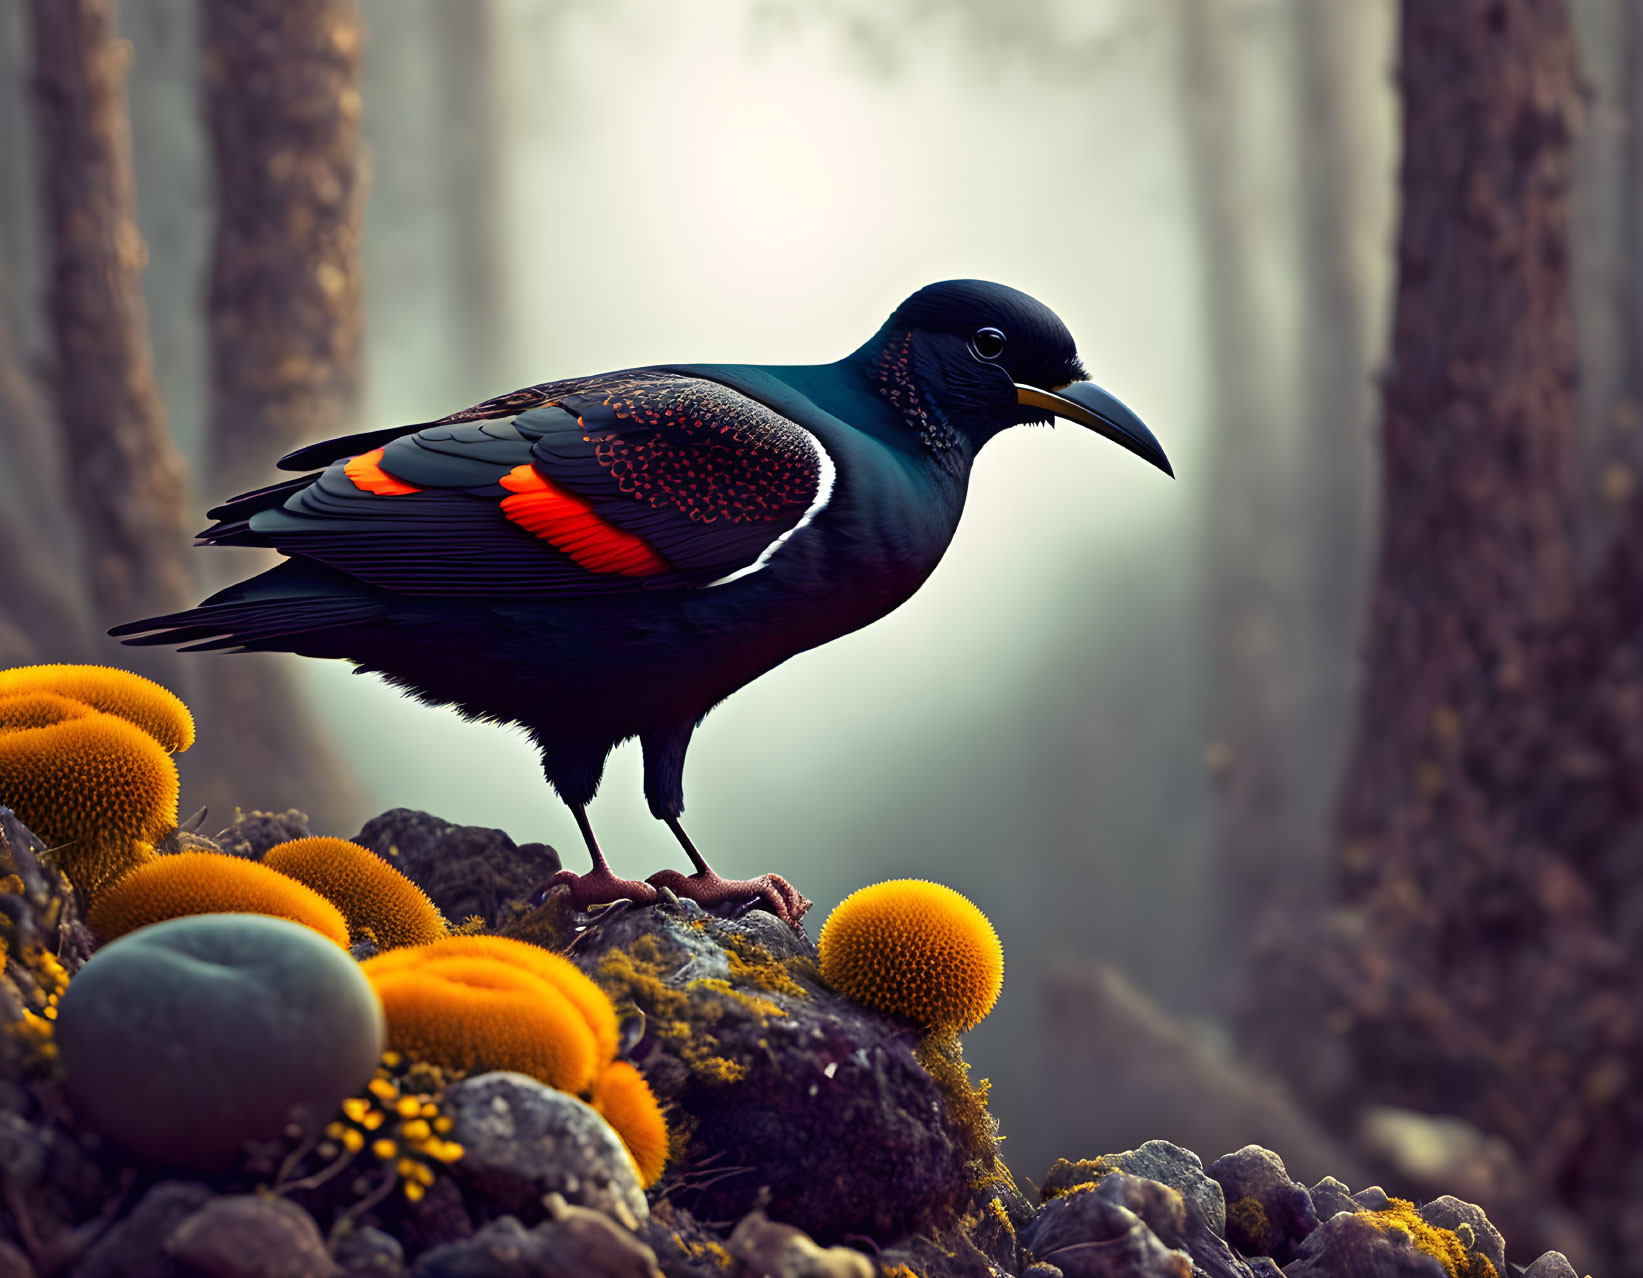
<point>811,1136</point>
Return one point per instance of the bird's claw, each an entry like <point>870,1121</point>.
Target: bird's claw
<point>772,891</point>
<point>601,887</point>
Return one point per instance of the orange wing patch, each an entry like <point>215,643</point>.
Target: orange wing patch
<point>367,473</point>
<point>567,522</point>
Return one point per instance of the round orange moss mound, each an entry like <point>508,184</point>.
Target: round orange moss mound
<point>38,710</point>
<point>95,788</point>
<point>372,895</point>
<point>169,887</point>
<point>625,1101</point>
<point>154,709</point>
<point>558,971</point>
<point>468,1011</point>
<point>918,949</point>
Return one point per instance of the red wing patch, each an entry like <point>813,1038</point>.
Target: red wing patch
<point>368,476</point>
<point>568,523</point>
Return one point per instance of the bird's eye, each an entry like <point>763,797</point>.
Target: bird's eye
<point>988,343</point>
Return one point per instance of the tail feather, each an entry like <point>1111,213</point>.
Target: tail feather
<point>293,607</point>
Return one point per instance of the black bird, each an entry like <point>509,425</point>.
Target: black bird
<point>612,556</point>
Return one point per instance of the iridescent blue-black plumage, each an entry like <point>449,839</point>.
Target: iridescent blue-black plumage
<point>609,557</point>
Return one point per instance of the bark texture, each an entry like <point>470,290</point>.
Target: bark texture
<point>42,609</point>
<point>124,477</point>
<point>282,107</point>
<point>1478,964</point>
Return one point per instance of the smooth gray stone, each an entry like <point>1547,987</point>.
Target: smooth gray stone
<point>183,1040</point>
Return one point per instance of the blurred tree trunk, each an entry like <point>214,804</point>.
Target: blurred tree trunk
<point>1245,550</point>
<point>1476,550</point>
<point>1475,967</point>
<point>282,108</point>
<point>470,153</point>
<point>1334,457</point>
<point>42,610</point>
<point>124,478</point>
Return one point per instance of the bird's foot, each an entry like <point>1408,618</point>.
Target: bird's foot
<point>601,887</point>
<point>772,891</point>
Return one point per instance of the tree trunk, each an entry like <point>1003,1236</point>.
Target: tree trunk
<point>42,609</point>
<point>125,479</point>
<point>282,108</point>
<point>1476,550</point>
<point>1247,559</point>
<point>1474,968</point>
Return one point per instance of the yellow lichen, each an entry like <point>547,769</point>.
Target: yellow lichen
<point>919,950</point>
<point>1457,1258</point>
<point>625,1101</point>
<point>157,711</point>
<point>371,894</point>
<point>719,1069</point>
<point>98,790</point>
<point>1073,1176</point>
<point>1247,1223</point>
<point>752,964</point>
<point>169,887</point>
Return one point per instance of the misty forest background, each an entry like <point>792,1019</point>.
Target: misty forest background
<point>1304,791</point>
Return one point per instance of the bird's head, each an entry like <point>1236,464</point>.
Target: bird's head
<point>981,358</point>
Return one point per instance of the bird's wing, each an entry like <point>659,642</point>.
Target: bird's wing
<point>642,479</point>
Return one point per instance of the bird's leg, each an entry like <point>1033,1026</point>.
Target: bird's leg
<point>598,886</point>
<point>708,889</point>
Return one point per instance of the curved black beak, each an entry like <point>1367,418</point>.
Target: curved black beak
<point>1089,405</point>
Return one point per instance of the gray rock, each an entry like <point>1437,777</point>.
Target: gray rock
<point>1180,1169</point>
<point>1330,1196</point>
<point>1264,1267</point>
<point>1349,1245</point>
<point>766,1246</point>
<point>1468,1221</point>
<point>183,1040</point>
<point>585,1244</point>
<point>502,1249</point>
<point>1372,1199</point>
<point>1553,1264</point>
<point>1268,1214</point>
<point>573,1242</point>
<point>135,1246</point>
<point>464,869</point>
<point>1083,1215</point>
<point>250,1236</point>
<point>365,1252</point>
<point>1087,1235</point>
<point>1203,1236</point>
<point>522,1139</point>
<point>253,833</point>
